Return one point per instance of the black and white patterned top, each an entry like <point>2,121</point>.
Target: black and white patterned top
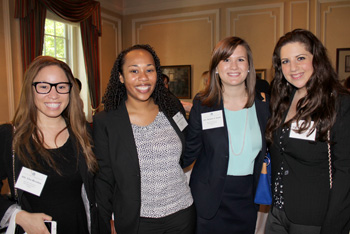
<point>164,187</point>
<point>278,197</point>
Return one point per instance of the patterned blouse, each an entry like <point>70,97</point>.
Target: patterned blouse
<point>164,187</point>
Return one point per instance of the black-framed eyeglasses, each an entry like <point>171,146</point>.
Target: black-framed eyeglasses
<point>45,87</point>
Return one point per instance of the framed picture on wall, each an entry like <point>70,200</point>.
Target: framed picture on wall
<point>343,63</point>
<point>179,80</point>
<point>261,73</point>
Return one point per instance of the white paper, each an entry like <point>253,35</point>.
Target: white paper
<point>303,135</point>
<point>180,121</point>
<point>212,119</point>
<point>31,181</point>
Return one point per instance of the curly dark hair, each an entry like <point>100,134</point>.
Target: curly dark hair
<point>323,88</point>
<point>116,91</point>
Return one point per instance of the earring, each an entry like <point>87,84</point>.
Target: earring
<point>248,70</point>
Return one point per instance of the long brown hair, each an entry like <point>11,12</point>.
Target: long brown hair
<point>212,94</point>
<point>323,88</point>
<point>27,138</point>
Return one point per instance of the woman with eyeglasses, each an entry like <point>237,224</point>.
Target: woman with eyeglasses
<point>46,152</point>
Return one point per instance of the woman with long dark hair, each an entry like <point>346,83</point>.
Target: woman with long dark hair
<point>309,132</point>
<point>49,135</point>
<point>139,141</point>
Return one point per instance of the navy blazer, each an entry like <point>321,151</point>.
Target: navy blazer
<point>210,149</point>
<point>118,183</point>
<point>6,171</point>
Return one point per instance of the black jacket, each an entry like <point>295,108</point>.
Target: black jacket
<point>307,194</point>
<point>210,149</point>
<point>118,183</point>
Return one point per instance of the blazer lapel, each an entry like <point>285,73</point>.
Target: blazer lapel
<point>125,130</point>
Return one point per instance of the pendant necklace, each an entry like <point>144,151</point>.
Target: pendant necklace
<point>245,130</point>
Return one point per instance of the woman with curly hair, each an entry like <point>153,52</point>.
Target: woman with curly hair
<point>49,135</point>
<point>309,132</point>
<point>139,141</point>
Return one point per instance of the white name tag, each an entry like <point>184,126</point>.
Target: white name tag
<point>31,181</point>
<point>180,121</point>
<point>212,119</point>
<point>302,135</point>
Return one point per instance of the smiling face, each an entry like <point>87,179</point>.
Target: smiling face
<point>296,64</point>
<point>52,104</point>
<point>139,75</point>
<point>234,70</point>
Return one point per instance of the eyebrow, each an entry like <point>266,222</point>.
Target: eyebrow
<point>134,65</point>
<point>297,56</point>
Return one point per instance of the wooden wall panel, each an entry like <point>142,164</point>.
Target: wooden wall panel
<point>110,46</point>
<point>181,39</point>
<point>260,26</point>
<point>299,15</point>
<point>334,27</point>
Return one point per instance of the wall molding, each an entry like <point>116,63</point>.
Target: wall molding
<point>108,19</point>
<point>308,13</point>
<point>256,7</point>
<point>157,5</point>
<point>324,20</point>
<point>109,5</point>
<point>174,18</point>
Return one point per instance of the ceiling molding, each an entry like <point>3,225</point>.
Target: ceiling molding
<point>129,7</point>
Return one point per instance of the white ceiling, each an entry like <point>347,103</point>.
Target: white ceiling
<point>127,7</point>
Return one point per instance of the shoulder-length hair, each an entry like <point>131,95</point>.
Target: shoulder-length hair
<point>323,88</point>
<point>28,138</point>
<point>212,94</point>
<point>116,91</point>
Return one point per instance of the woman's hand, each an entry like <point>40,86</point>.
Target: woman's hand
<point>33,223</point>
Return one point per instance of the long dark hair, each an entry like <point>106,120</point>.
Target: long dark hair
<point>116,91</point>
<point>212,94</point>
<point>323,88</point>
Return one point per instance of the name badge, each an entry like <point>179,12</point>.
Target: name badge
<point>303,135</point>
<point>180,121</point>
<point>212,119</point>
<point>31,181</point>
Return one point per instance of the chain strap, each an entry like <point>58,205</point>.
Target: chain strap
<point>13,168</point>
<point>329,160</point>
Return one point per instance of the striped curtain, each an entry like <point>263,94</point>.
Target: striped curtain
<point>32,14</point>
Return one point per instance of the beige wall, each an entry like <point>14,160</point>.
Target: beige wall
<point>187,35</point>
<point>110,45</point>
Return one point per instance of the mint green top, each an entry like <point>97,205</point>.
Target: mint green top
<point>242,151</point>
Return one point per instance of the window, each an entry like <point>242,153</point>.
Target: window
<point>55,39</point>
<point>62,40</point>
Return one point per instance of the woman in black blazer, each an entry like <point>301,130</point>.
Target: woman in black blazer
<point>49,135</point>
<point>138,143</point>
<point>310,134</point>
<point>226,138</point>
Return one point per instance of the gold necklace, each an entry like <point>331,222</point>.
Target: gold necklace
<point>245,131</point>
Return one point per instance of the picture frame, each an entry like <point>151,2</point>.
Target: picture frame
<point>343,63</point>
<point>179,80</point>
<point>261,73</point>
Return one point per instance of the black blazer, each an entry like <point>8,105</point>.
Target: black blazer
<point>6,171</point>
<point>210,149</point>
<point>118,183</point>
<point>308,198</point>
